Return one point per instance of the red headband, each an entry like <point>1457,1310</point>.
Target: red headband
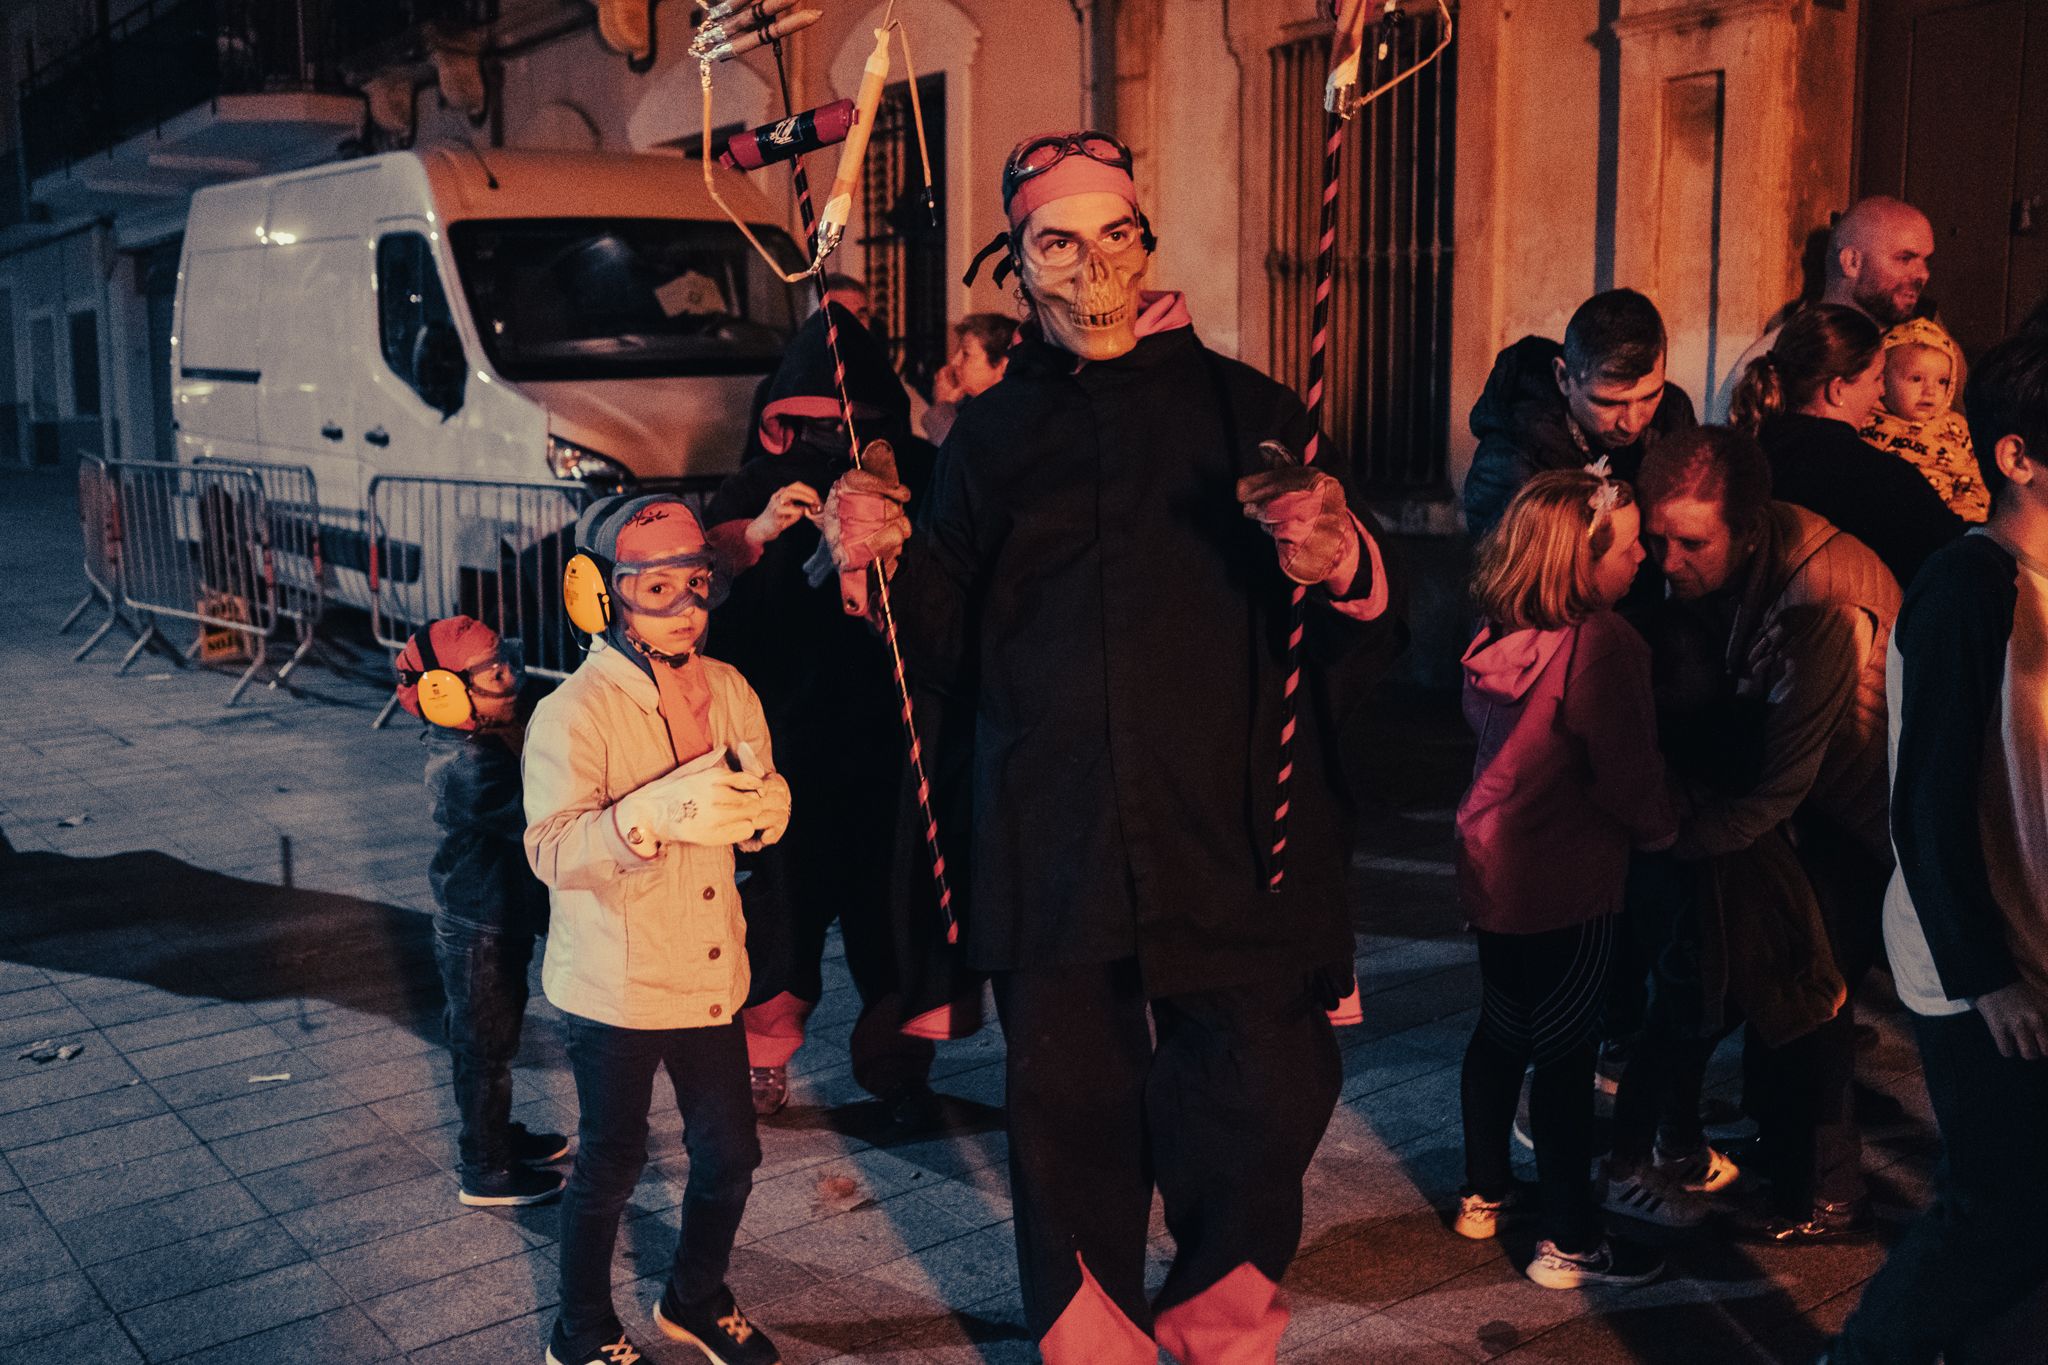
<point>658,531</point>
<point>1075,175</point>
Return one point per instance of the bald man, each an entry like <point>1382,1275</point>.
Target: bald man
<point>1878,263</point>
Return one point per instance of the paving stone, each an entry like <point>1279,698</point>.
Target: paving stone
<point>176,1027</point>
<point>400,1076</point>
<point>81,1196</point>
<point>229,1311</point>
<point>266,1105</point>
<point>368,1049</point>
<point>63,1024</point>
<point>48,1122</point>
<point>364,1217</point>
<point>333,1338</point>
<point>515,1339</point>
<point>160,1222</point>
<point>425,1253</point>
<point>230,1080</point>
<point>339,1175</point>
<point>30,1248</point>
<point>110,1146</point>
<point>40,999</point>
<point>47,1306</point>
<point>95,1343</point>
<point>197,1053</point>
<point>300,1140</point>
<point>461,1303</point>
<point>24,1085</point>
<point>197,1263</point>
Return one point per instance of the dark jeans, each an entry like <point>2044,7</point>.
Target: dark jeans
<point>614,1085</point>
<point>1224,1109</point>
<point>483,977</point>
<point>1543,998</point>
<point>1979,1250</point>
<point>1658,1102</point>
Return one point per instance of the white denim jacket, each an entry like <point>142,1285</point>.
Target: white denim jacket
<point>649,943</point>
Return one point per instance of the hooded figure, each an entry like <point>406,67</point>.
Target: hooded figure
<point>1933,438</point>
<point>828,688</point>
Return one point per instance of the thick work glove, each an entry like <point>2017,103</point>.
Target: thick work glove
<point>864,523</point>
<point>773,820</point>
<point>1303,510</point>
<point>703,802</point>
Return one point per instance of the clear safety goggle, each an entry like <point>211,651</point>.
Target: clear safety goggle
<point>668,586</point>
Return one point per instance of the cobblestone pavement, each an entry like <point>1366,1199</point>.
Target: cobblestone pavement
<point>249,1158</point>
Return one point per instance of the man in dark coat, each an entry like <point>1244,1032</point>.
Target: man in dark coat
<point>826,685</point>
<point>1096,569</point>
<point>1547,406</point>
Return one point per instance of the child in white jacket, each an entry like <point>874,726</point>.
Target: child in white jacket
<point>642,771</point>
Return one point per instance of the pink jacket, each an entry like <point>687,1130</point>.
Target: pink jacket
<point>1568,776</point>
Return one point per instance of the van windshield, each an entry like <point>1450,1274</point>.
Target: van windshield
<point>624,298</point>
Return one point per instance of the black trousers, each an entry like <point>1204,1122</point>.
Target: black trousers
<point>483,978</point>
<point>614,1070</point>
<point>1223,1109</point>
<point>1542,1004</point>
<point>1979,1250</point>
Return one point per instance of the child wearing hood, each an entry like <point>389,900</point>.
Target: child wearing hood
<point>1917,418</point>
<point>643,771</point>
<point>1566,782</point>
<point>460,678</point>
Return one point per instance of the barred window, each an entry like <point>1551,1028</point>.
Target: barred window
<point>1387,366</point>
<point>906,251</point>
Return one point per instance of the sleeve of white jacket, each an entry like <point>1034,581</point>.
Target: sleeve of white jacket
<point>572,839</point>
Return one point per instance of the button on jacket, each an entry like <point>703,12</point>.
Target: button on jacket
<point>636,943</point>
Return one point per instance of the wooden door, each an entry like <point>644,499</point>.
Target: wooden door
<point>1955,120</point>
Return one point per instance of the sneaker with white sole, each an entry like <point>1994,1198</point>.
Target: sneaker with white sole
<point>1648,1197</point>
<point>1706,1171</point>
<point>1479,1217</point>
<point>508,1188</point>
<point>718,1329</point>
<point>620,1352</point>
<point>537,1149</point>
<point>1614,1264</point>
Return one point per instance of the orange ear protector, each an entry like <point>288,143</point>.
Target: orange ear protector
<point>443,693</point>
<point>585,593</point>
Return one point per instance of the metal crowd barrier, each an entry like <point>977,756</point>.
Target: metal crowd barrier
<point>494,550</point>
<point>99,524</point>
<point>473,547</point>
<point>297,566</point>
<point>195,546</point>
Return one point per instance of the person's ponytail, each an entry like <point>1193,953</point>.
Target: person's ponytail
<point>1759,395</point>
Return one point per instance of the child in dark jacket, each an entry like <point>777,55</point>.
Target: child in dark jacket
<point>458,677</point>
<point>1567,781</point>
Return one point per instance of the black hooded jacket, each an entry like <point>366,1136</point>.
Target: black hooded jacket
<point>1524,428</point>
<point>1085,581</point>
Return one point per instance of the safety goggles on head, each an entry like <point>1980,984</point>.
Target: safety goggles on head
<point>1041,154</point>
<point>668,586</point>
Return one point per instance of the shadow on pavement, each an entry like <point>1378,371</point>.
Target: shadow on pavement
<point>156,920</point>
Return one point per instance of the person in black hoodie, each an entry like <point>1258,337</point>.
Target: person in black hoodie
<point>1804,400</point>
<point>1547,406</point>
<point>826,684</point>
<point>1095,575</point>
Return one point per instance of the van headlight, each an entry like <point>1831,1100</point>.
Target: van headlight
<point>567,460</point>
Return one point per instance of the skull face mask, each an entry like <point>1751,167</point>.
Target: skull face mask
<point>1083,259</point>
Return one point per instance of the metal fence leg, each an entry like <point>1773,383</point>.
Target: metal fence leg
<point>78,611</point>
<point>248,675</point>
<point>143,637</point>
<point>93,642</point>
<point>298,657</point>
<point>385,715</point>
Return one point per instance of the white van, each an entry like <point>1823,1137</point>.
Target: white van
<point>498,314</point>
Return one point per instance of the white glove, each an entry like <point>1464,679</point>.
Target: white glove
<point>774,815</point>
<point>703,802</point>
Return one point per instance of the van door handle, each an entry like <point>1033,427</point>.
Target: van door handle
<point>331,432</point>
<point>377,436</point>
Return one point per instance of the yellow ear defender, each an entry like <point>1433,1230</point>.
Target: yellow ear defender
<point>585,594</point>
<point>443,693</point>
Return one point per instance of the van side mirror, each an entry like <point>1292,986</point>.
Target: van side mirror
<point>439,368</point>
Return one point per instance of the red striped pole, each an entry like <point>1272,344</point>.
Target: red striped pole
<point>924,786</point>
<point>1326,260</point>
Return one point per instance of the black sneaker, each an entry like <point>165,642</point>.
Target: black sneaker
<point>620,1352</point>
<point>519,1185</point>
<point>717,1328</point>
<point>537,1149</point>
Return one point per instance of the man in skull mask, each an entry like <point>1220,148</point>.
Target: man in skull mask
<point>1095,572</point>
